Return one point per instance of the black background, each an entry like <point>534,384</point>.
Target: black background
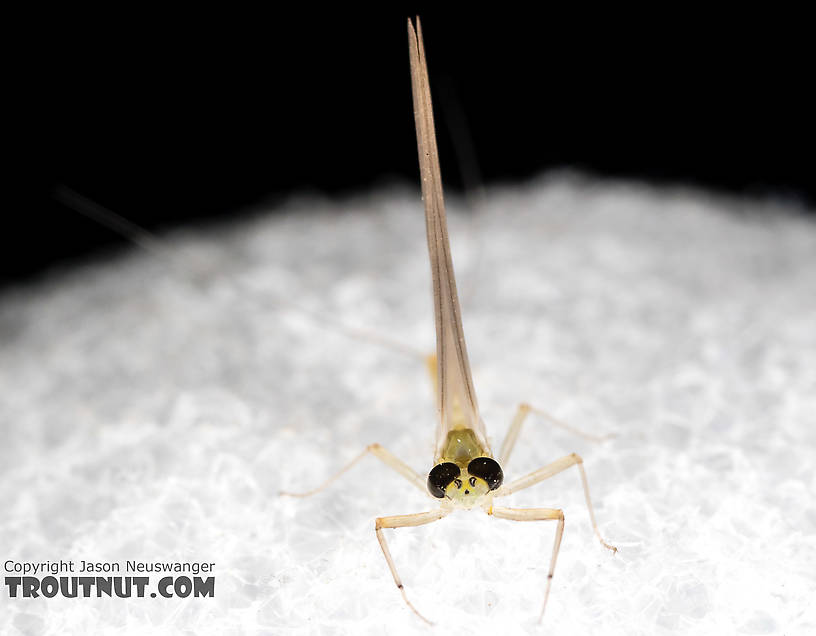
<point>168,118</point>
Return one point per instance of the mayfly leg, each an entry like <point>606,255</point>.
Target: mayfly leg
<point>405,521</point>
<point>551,470</point>
<point>522,412</point>
<point>465,474</point>
<point>385,456</point>
<point>544,514</point>
<point>538,514</point>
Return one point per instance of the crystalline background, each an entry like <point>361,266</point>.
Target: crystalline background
<point>152,408</point>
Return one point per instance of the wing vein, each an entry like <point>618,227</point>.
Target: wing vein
<point>456,397</point>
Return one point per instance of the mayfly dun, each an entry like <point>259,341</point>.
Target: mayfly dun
<point>465,474</point>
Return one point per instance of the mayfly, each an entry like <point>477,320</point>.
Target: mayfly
<point>465,474</point>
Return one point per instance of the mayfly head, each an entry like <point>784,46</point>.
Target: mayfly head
<point>465,487</point>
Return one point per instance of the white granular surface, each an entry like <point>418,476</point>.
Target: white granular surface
<point>152,408</point>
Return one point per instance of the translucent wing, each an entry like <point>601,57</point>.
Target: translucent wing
<point>456,399</point>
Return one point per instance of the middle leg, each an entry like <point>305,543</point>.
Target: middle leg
<point>548,471</point>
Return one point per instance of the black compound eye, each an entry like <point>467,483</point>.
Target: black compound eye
<point>440,477</point>
<point>488,469</point>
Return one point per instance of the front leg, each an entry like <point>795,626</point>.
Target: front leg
<point>537,514</point>
<point>403,521</point>
<point>548,471</point>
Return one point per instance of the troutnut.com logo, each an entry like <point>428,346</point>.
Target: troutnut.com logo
<point>70,579</point>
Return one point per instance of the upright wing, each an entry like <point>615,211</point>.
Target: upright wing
<point>456,399</point>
